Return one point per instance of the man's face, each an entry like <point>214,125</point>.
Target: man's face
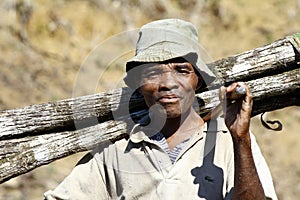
<point>171,86</point>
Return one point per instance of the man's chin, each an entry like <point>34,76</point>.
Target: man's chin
<point>173,115</point>
<point>166,113</point>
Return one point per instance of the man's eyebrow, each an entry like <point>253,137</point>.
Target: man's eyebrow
<point>182,65</point>
<point>151,70</point>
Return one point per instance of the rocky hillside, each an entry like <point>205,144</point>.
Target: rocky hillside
<point>57,49</point>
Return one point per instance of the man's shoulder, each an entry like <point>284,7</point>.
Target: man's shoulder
<point>110,145</point>
<point>104,148</point>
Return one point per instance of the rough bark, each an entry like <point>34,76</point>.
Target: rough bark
<point>39,134</point>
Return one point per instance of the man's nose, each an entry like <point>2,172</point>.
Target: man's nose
<point>168,81</point>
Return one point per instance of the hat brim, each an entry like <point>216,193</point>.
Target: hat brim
<point>167,51</point>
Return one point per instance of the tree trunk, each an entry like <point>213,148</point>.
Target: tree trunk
<point>39,134</point>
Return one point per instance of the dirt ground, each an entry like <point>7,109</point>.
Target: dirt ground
<point>48,46</point>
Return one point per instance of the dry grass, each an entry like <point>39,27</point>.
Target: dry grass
<point>63,35</point>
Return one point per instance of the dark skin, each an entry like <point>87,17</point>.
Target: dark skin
<point>160,85</point>
<point>237,118</point>
<point>172,87</point>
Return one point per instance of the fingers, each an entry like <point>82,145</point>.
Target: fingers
<point>245,100</point>
<point>237,108</point>
<point>248,97</point>
<point>236,92</point>
<point>233,92</point>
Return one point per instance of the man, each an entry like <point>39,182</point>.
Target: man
<point>173,153</point>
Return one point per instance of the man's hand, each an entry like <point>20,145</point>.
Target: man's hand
<point>237,110</point>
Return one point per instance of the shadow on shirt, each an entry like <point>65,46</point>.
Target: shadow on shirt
<point>209,177</point>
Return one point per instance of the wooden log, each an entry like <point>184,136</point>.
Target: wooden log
<point>275,58</point>
<point>66,115</point>
<point>269,93</point>
<point>39,134</point>
<point>21,155</point>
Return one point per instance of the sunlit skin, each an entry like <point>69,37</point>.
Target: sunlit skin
<point>172,86</point>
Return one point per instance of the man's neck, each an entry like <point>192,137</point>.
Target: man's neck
<point>179,129</point>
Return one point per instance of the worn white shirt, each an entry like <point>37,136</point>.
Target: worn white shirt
<point>137,168</point>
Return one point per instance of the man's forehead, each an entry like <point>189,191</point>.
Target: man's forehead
<point>156,64</point>
<point>161,66</point>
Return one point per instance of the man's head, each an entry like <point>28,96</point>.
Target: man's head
<point>167,68</point>
<point>170,86</point>
<point>163,41</point>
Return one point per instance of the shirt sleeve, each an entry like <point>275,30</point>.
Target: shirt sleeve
<point>84,182</point>
<point>263,170</point>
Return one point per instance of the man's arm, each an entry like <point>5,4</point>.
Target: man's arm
<point>247,184</point>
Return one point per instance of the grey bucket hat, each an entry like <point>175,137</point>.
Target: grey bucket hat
<point>168,39</point>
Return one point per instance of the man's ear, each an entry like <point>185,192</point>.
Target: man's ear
<point>199,83</point>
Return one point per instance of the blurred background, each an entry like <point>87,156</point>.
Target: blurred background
<point>46,45</point>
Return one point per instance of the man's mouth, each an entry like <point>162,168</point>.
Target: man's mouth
<point>168,99</point>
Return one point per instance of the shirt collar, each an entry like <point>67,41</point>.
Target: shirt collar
<point>140,132</point>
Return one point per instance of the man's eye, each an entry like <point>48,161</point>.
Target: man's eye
<point>183,70</point>
<point>151,74</point>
